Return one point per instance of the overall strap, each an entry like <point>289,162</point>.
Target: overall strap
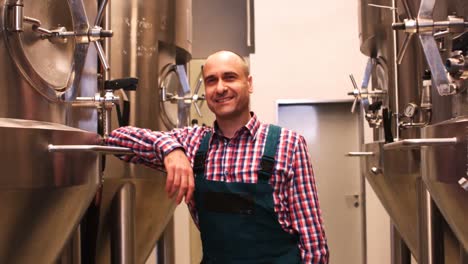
<point>267,163</point>
<point>200,156</point>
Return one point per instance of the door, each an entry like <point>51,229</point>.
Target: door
<point>331,131</point>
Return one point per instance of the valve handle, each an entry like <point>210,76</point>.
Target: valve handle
<point>102,55</point>
<point>356,93</point>
<point>197,108</point>
<point>100,13</point>
<point>404,47</point>
<point>127,84</point>
<point>196,97</point>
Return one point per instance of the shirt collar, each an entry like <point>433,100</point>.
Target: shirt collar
<point>251,127</point>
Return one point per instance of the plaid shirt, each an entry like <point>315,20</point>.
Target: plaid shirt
<point>238,160</point>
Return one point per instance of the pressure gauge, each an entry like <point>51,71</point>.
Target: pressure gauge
<point>410,110</point>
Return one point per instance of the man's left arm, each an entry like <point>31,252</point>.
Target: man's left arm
<point>304,208</point>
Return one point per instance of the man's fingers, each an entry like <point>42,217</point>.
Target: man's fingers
<point>169,179</point>
<point>176,183</point>
<point>182,189</point>
<point>191,188</point>
<point>179,175</point>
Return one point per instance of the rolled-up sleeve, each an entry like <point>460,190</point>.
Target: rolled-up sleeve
<point>304,208</point>
<point>149,146</point>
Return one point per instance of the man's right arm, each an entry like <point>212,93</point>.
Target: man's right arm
<point>158,149</point>
<point>150,147</point>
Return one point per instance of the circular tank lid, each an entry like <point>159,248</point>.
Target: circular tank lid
<point>50,65</point>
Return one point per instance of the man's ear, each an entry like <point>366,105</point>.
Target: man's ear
<point>249,81</point>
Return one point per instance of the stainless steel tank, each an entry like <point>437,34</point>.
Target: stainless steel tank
<point>417,162</point>
<point>44,194</point>
<point>146,43</point>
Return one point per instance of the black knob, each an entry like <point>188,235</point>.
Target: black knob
<point>426,75</point>
<point>387,124</point>
<point>375,106</point>
<point>398,26</point>
<point>128,84</point>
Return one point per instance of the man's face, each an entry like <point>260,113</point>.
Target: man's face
<point>227,86</point>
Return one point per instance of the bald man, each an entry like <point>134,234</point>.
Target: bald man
<point>249,186</point>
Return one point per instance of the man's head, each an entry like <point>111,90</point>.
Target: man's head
<point>228,85</point>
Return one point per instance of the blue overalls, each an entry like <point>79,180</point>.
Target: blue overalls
<point>237,221</point>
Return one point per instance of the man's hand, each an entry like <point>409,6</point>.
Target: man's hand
<point>180,179</point>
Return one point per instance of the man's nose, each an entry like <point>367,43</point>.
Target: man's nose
<point>221,87</point>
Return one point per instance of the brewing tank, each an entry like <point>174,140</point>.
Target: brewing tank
<point>417,163</point>
<point>146,45</point>
<point>44,194</point>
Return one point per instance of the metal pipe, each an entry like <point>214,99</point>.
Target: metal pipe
<point>106,120</point>
<point>363,187</point>
<point>359,154</point>
<point>123,225</point>
<point>89,148</point>
<point>420,142</point>
<point>395,54</point>
<point>400,253</point>
<point>429,223</point>
<point>424,223</point>
<point>16,18</point>
<point>463,255</point>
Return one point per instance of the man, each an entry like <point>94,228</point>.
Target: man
<point>255,199</point>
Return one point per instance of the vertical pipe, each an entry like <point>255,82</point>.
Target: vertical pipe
<point>106,22</point>
<point>165,247</point>
<point>400,251</point>
<point>363,187</point>
<point>71,254</point>
<point>425,223</point>
<point>463,255</point>
<point>123,225</point>
<point>437,247</point>
<point>395,65</point>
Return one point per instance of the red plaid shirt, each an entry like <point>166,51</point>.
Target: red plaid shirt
<point>238,160</point>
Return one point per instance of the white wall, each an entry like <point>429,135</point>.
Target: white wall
<point>305,49</point>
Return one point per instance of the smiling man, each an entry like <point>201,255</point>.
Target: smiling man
<point>254,194</point>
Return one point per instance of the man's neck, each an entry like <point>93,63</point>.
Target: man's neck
<point>229,126</point>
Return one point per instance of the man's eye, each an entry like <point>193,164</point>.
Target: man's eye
<point>230,77</point>
<point>209,81</point>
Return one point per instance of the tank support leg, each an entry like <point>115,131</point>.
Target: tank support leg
<point>123,225</point>
<point>400,251</point>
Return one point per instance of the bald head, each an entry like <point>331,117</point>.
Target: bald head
<point>225,55</point>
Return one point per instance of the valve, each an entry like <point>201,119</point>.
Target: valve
<point>463,183</point>
<point>424,26</point>
<point>93,34</point>
<point>194,98</point>
<point>362,95</point>
<point>104,104</point>
<point>457,65</point>
<point>126,84</point>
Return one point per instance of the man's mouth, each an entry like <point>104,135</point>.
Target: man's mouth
<point>222,100</point>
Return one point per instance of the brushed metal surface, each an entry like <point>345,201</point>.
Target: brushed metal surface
<point>396,187</point>
<point>394,174</point>
<point>143,46</point>
<point>442,168</point>
<point>50,65</point>
<point>43,195</point>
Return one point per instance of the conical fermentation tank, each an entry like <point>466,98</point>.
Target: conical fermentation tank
<point>44,194</point>
<point>416,105</point>
<point>151,43</point>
